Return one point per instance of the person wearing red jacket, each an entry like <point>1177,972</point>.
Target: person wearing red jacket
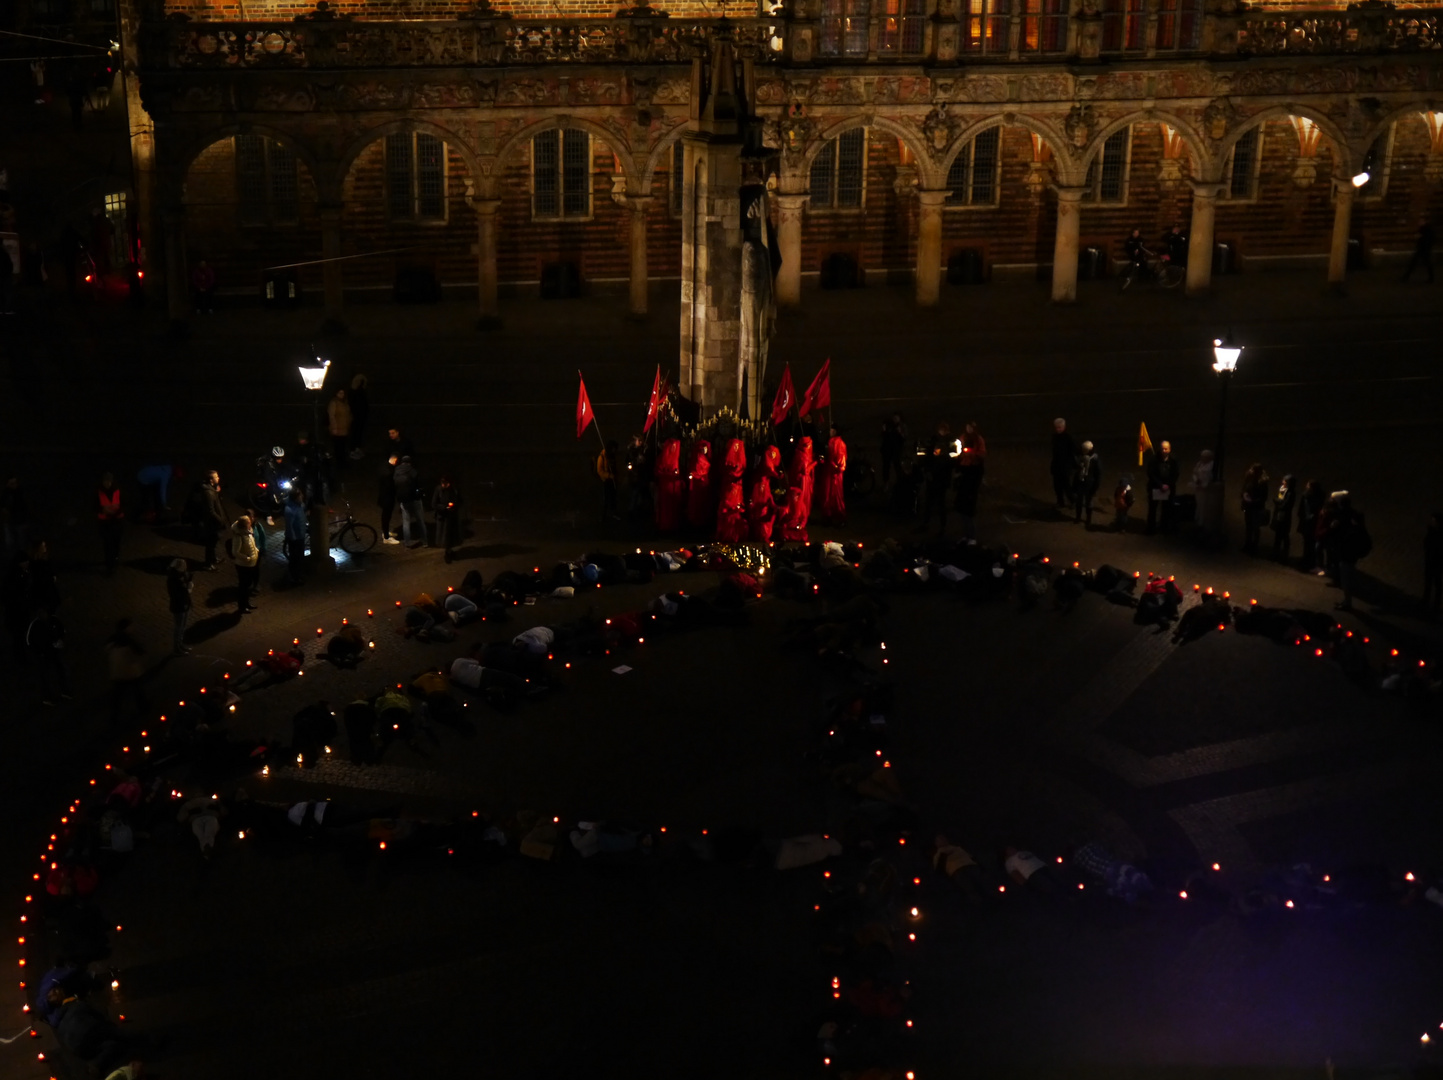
<point>701,500</point>
<point>799,492</point>
<point>731,522</point>
<point>111,519</point>
<point>833,468</point>
<point>761,505</point>
<point>670,487</point>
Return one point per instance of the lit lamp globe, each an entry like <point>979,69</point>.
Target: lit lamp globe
<point>1225,356</point>
<point>1361,178</point>
<point>314,377</point>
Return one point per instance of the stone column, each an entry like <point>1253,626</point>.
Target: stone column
<point>929,246</point>
<point>711,287</point>
<point>331,270</point>
<point>789,240</point>
<point>177,294</point>
<point>1200,237</point>
<point>638,204</point>
<point>1342,225</point>
<point>486,276</point>
<point>1064,247</point>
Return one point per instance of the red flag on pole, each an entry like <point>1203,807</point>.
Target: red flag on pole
<point>785,399</point>
<point>658,395</point>
<point>819,394</point>
<point>583,409</point>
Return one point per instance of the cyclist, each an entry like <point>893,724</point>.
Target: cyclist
<point>1174,245</point>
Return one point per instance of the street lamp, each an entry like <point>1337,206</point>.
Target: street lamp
<point>1225,362</point>
<point>1361,178</point>
<point>315,380</point>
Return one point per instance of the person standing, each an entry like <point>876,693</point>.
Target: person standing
<point>125,659</point>
<point>1086,481</point>
<point>242,549</point>
<point>360,409</point>
<point>894,440</point>
<point>1282,518</point>
<point>155,481</point>
<point>446,505</point>
<point>386,496</point>
<point>397,445</point>
<point>212,517</point>
<point>178,586</point>
<point>1433,566</point>
<point>293,541</point>
<point>1122,500</point>
<point>1255,505</point>
<point>340,418</point>
<point>1422,251</point>
<point>940,457</point>
<point>970,468</point>
<point>832,488</point>
<point>17,597</point>
<point>1162,474</point>
<point>202,282</point>
<point>111,520</point>
<point>408,497</point>
<point>606,473</point>
<point>700,499</point>
<point>670,487</point>
<point>1064,460</point>
<point>45,638</point>
<point>1310,505</point>
<point>1351,542</point>
<point>638,479</point>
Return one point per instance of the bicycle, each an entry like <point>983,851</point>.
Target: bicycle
<point>351,536</point>
<point>1168,274</point>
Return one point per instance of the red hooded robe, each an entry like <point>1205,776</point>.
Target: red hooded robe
<point>670,487</point>
<point>700,506</point>
<point>731,522</point>
<point>799,492</point>
<point>832,507</point>
<point>761,506</point>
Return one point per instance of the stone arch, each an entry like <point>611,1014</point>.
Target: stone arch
<point>981,124</point>
<point>1190,137</point>
<point>653,159</point>
<point>189,151</point>
<point>925,168</point>
<point>1393,116</point>
<point>398,127</point>
<point>609,137</point>
<point>1342,149</point>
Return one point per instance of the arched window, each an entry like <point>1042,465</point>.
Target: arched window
<point>1241,170</point>
<point>1377,163</point>
<point>265,182</point>
<point>561,174</point>
<point>838,178</point>
<point>972,179</point>
<point>415,177</point>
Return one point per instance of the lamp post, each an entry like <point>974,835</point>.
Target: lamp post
<point>315,380</point>
<point>1225,362</point>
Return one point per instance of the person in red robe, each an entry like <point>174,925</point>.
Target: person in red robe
<point>799,492</point>
<point>761,504</point>
<point>670,487</point>
<point>701,504</point>
<point>832,505</point>
<point>731,521</point>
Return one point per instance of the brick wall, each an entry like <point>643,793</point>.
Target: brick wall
<point>239,253</point>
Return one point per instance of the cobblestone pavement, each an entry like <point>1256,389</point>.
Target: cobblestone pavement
<point>1040,728</point>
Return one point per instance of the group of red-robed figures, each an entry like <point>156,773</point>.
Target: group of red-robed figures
<point>769,506</point>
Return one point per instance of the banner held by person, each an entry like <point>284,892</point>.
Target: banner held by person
<point>819,393</point>
<point>1144,444</point>
<point>584,413</point>
<point>785,399</point>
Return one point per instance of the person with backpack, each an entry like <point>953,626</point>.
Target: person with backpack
<point>1349,541</point>
<point>294,540</point>
<point>408,498</point>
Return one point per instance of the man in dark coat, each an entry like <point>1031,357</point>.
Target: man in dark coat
<point>1086,479</point>
<point>1162,473</point>
<point>212,517</point>
<point>1064,459</point>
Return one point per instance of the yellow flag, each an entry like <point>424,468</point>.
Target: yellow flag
<point>1144,444</point>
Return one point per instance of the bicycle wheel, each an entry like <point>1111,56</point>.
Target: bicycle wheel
<point>357,538</point>
<point>865,481</point>
<point>1171,276</point>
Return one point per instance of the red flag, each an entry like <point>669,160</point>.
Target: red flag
<point>658,395</point>
<point>785,399</point>
<point>583,409</point>
<point>819,394</point>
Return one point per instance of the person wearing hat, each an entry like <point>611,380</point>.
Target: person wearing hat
<point>1086,479</point>
<point>178,586</point>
